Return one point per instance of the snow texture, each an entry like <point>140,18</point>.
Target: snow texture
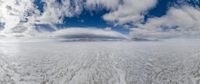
<point>99,63</point>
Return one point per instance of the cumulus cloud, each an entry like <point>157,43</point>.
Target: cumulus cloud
<point>18,17</point>
<point>130,11</point>
<point>14,12</point>
<point>179,22</point>
<point>18,13</point>
<point>109,4</point>
<point>54,11</point>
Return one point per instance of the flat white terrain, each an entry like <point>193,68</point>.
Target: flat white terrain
<point>100,62</point>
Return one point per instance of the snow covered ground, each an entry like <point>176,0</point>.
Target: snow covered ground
<point>169,62</point>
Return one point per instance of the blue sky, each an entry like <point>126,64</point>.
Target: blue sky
<point>93,18</point>
<point>137,18</point>
<point>87,18</point>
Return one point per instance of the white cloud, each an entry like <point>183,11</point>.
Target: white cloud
<point>12,12</point>
<point>55,11</point>
<point>130,11</point>
<point>109,4</point>
<point>179,22</point>
<point>19,16</point>
<point>88,33</point>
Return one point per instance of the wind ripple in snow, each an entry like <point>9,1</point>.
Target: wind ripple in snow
<point>99,63</point>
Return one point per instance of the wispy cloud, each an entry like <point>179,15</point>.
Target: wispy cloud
<point>179,22</point>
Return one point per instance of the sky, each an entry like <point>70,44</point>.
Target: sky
<point>160,19</point>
